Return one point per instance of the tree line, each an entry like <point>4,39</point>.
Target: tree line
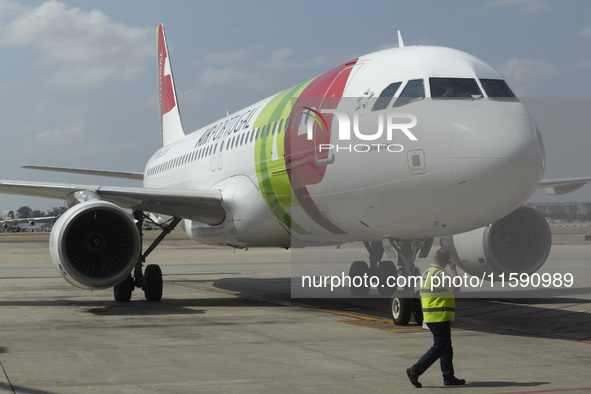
<point>25,212</point>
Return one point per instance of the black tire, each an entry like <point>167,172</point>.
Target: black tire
<point>122,291</point>
<point>358,269</point>
<point>401,310</point>
<point>153,283</point>
<point>387,268</point>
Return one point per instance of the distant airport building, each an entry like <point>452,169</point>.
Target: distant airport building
<point>564,210</point>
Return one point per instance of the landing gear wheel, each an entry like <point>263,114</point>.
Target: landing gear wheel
<point>153,283</point>
<point>360,269</point>
<point>387,269</point>
<point>123,290</point>
<point>401,309</point>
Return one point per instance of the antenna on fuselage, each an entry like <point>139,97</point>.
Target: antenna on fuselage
<point>400,42</point>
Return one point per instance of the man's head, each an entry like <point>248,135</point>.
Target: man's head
<point>442,257</point>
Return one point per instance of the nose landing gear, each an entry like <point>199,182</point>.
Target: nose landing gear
<point>405,301</point>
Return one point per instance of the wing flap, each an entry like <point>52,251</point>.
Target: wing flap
<point>199,205</point>
<point>138,176</point>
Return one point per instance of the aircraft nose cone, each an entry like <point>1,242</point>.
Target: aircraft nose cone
<point>498,159</point>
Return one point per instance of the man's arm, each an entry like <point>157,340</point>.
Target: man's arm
<point>454,272</point>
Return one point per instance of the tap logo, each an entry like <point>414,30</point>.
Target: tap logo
<point>317,116</point>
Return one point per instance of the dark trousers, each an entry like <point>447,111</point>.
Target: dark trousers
<point>441,350</point>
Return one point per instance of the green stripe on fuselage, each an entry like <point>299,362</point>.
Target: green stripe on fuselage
<point>272,174</point>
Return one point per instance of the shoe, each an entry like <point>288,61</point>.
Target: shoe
<point>453,381</point>
<point>414,378</point>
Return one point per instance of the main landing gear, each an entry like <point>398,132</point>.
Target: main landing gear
<point>405,301</point>
<point>150,281</point>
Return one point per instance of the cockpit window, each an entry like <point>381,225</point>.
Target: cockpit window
<point>413,91</point>
<point>497,89</point>
<point>386,96</point>
<point>456,88</point>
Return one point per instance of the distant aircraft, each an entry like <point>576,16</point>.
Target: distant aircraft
<point>31,221</point>
<point>392,148</point>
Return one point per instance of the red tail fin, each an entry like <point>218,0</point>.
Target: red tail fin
<point>171,127</point>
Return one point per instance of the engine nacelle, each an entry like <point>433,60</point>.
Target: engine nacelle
<point>518,243</point>
<point>95,245</point>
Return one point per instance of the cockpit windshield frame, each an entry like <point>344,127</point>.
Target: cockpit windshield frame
<point>497,89</point>
<point>413,91</point>
<point>455,88</point>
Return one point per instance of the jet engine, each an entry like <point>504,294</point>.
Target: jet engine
<point>95,245</point>
<point>518,243</point>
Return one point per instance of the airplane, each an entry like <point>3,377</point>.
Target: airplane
<point>31,221</point>
<point>450,153</point>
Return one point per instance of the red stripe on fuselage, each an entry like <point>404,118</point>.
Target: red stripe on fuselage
<point>324,92</point>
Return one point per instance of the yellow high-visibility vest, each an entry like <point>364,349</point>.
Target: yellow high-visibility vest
<point>439,304</point>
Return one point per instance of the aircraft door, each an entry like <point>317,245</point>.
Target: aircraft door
<point>307,148</point>
<point>213,156</point>
<point>220,154</point>
<point>322,130</point>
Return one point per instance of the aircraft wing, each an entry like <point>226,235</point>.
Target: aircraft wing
<point>199,205</point>
<point>113,174</point>
<point>563,185</point>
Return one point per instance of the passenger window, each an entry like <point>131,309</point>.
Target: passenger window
<point>386,96</point>
<point>454,88</point>
<point>497,89</point>
<point>413,91</point>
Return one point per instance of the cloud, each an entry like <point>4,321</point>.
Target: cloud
<point>231,57</point>
<point>66,136</point>
<point>79,49</point>
<point>9,8</point>
<point>582,65</point>
<point>252,68</point>
<point>223,76</point>
<point>526,75</point>
<point>586,31</point>
<point>527,6</point>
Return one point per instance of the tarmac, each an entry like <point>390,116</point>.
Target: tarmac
<point>227,324</point>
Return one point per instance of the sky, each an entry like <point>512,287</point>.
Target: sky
<point>78,84</point>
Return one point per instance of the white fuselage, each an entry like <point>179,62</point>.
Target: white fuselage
<point>475,159</point>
